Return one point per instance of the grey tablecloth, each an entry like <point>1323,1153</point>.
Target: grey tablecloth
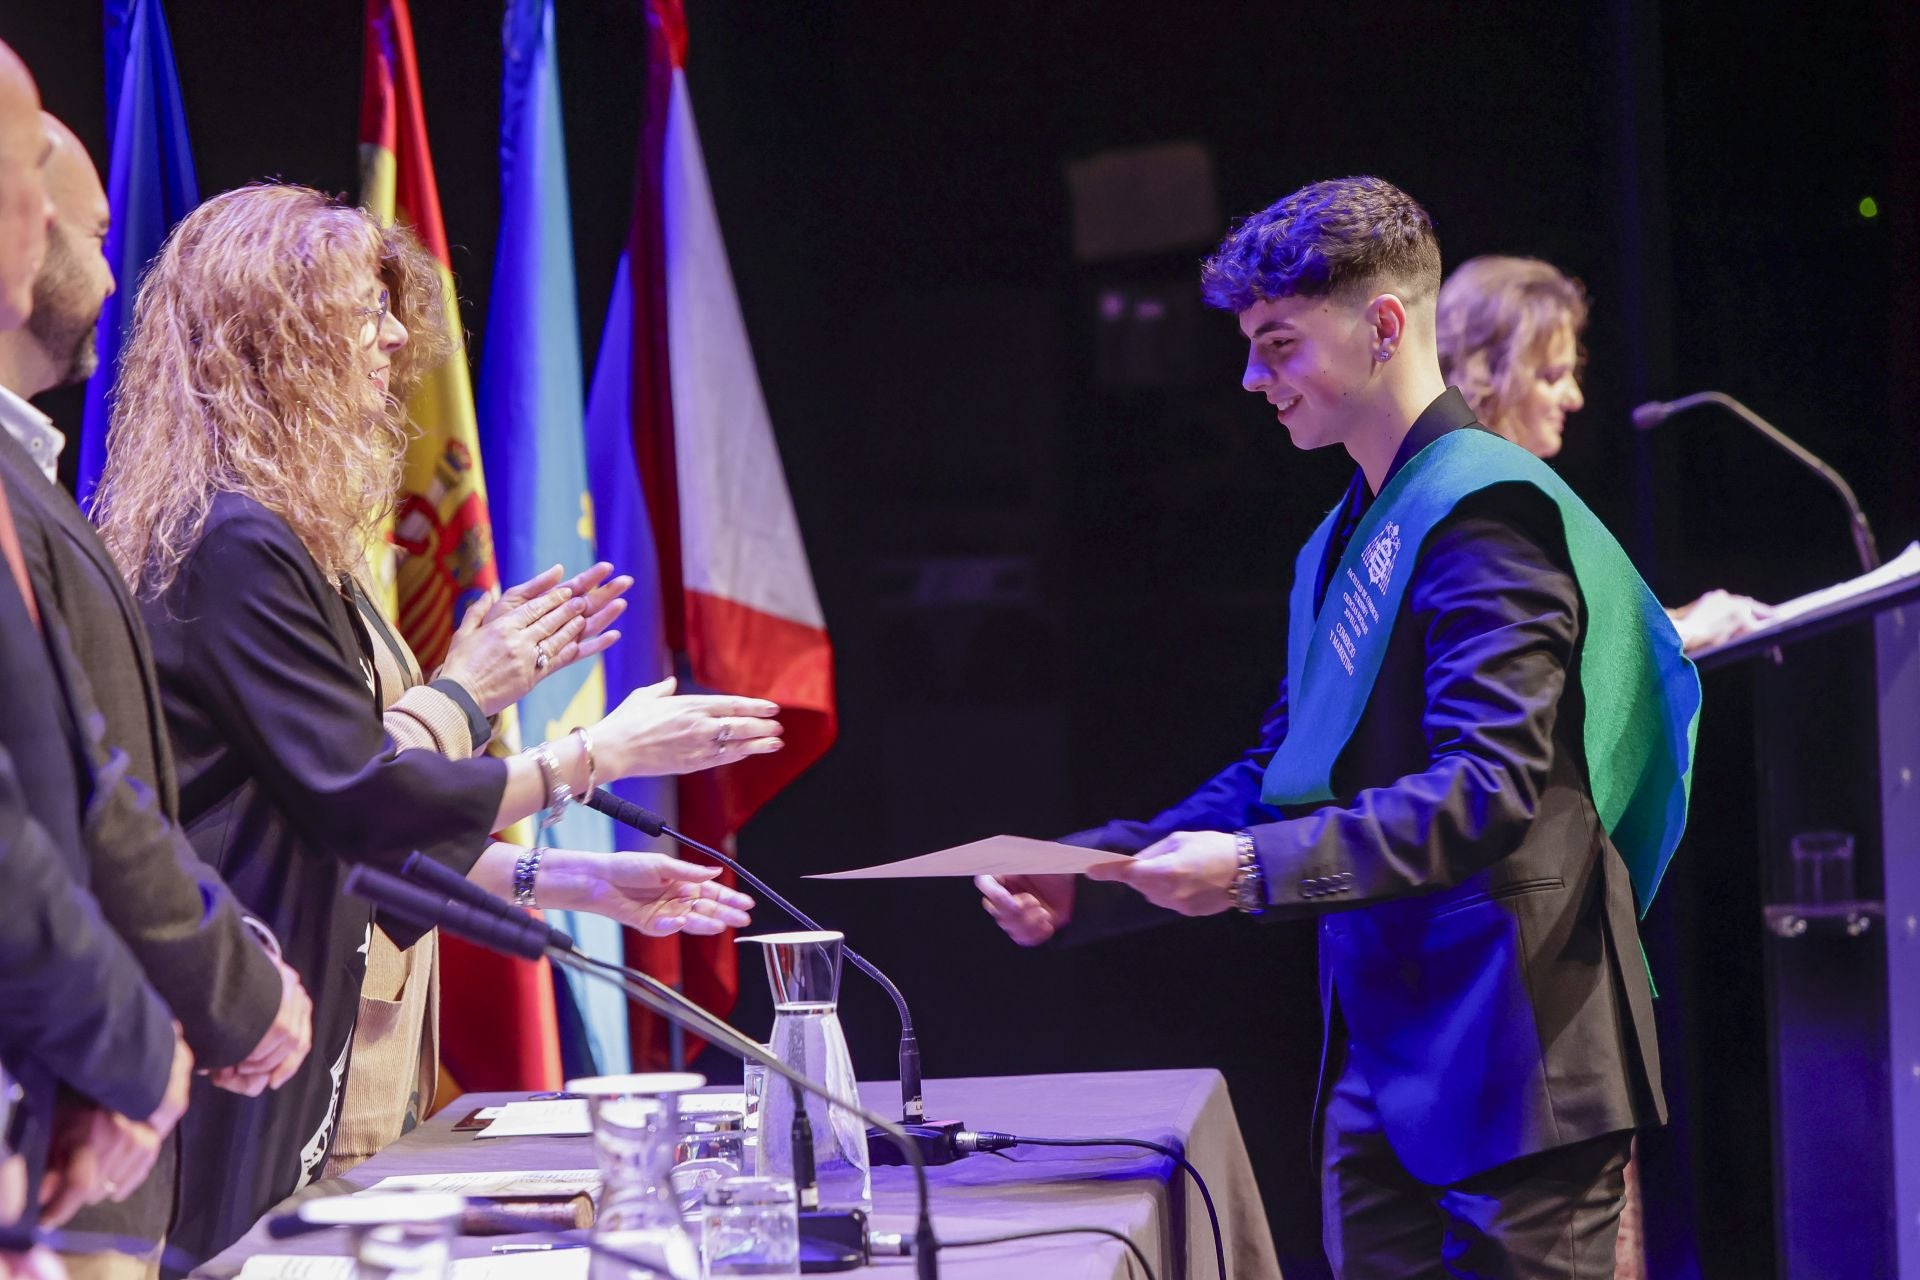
<point>1128,1190</point>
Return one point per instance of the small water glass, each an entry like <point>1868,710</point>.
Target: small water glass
<point>1822,867</point>
<point>711,1146</point>
<point>750,1227</point>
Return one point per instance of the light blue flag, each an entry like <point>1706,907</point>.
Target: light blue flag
<point>150,186</point>
<point>532,434</point>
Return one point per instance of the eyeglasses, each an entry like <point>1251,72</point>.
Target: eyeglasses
<point>378,316</point>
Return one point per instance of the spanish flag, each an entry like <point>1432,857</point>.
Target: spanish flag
<point>498,1022</point>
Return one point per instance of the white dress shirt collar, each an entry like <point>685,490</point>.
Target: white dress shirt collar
<point>34,430</point>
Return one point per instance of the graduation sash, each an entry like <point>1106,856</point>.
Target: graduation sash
<point>1642,694</point>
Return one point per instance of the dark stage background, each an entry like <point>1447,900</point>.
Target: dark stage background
<point>1052,536</point>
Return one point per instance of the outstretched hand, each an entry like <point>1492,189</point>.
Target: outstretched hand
<point>653,732</point>
<point>650,892</point>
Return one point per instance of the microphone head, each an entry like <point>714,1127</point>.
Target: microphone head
<point>625,811</point>
<point>1650,415</point>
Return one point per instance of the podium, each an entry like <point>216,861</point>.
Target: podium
<point>1837,726</point>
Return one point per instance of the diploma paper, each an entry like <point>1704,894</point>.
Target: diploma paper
<point>994,856</point>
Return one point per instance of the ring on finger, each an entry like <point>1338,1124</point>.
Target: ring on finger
<point>722,738</point>
<point>541,658</point>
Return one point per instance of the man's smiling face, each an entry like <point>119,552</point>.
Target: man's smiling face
<point>1309,357</point>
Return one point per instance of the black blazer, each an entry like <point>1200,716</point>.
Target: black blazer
<point>75,1009</point>
<point>286,777</point>
<point>1478,945</point>
<point>172,909</point>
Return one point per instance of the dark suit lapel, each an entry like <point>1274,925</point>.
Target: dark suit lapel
<point>50,505</point>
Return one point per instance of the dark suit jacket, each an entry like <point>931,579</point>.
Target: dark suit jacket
<point>1478,946</point>
<point>175,913</point>
<point>74,1006</point>
<point>286,778</point>
<point>171,907</point>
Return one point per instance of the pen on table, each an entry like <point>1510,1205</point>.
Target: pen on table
<point>534,1248</point>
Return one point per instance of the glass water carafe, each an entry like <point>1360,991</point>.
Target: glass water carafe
<point>804,971</point>
<point>636,1124</point>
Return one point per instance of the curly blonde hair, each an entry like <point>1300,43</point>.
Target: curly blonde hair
<point>242,373</point>
<point>1496,317</point>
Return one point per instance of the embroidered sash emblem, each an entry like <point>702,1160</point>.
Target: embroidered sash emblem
<point>1378,555</point>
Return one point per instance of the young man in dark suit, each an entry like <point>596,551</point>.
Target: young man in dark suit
<point>245,1015</point>
<point>1477,766</point>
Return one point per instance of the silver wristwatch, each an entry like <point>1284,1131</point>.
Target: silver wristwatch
<point>1249,891</point>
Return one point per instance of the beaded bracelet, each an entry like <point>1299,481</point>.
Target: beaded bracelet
<point>525,868</point>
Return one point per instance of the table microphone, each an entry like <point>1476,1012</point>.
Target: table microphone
<point>935,1140</point>
<point>1654,412</point>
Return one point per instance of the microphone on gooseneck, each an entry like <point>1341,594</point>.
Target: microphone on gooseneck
<point>444,879</point>
<point>1654,412</point>
<point>640,818</point>
<point>516,933</point>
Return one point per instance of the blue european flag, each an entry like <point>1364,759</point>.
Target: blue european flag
<point>150,186</point>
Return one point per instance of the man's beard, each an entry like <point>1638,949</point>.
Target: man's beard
<point>60,322</point>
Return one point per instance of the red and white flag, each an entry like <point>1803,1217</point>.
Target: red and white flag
<point>739,611</point>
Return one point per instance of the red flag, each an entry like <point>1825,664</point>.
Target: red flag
<point>498,1025</point>
<point>739,609</point>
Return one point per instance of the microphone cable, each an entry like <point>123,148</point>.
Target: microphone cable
<point>1138,1254</point>
<point>987,1141</point>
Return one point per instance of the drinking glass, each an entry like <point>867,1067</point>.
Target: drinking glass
<point>1822,867</point>
<point>750,1227</point>
<point>636,1127</point>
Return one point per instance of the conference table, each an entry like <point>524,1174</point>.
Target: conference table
<point>1138,1193</point>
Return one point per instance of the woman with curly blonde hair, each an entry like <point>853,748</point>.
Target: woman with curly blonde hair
<point>1509,334</point>
<point>255,445</point>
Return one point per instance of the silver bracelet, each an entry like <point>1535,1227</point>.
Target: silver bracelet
<point>525,868</point>
<point>559,794</point>
<point>586,749</point>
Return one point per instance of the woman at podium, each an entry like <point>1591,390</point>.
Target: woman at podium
<point>1510,340</point>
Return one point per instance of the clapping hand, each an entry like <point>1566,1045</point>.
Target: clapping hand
<point>510,641</point>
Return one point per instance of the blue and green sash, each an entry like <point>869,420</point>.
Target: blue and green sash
<point>1642,694</point>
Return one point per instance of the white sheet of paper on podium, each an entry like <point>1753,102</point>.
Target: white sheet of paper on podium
<point>994,856</point>
<point>1904,565</point>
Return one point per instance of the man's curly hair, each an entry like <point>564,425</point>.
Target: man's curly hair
<point>1327,237</point>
